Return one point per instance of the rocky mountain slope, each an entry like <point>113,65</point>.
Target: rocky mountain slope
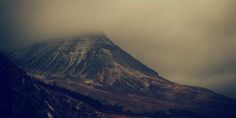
<point>93,66</point>
<point>26,97</point>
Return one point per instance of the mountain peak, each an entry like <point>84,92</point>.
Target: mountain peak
<point>94,34</point>
<point>88,56</point>
<point>96,38</point>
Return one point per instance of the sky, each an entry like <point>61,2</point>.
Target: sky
<point>191,42</point>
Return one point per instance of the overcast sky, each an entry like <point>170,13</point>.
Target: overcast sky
<point>187,41</point>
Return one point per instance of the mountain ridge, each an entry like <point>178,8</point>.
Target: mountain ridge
<point>105,72</point>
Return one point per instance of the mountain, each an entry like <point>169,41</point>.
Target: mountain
<point>92,65</point>
<point>89,57</point>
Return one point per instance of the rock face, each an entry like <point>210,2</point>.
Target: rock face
<point>93,66</point>
<point>88,57</point>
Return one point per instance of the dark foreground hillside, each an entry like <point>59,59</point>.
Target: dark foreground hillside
<point>24,97</point>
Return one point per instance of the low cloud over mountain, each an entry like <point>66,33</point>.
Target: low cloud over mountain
<point>189,41</point>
